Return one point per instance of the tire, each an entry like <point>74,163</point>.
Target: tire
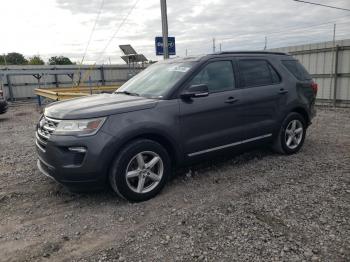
<point>291,135</point>
<point>140,170</point>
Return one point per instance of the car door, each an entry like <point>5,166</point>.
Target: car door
<point>208,122</point>
<point>261,94</point>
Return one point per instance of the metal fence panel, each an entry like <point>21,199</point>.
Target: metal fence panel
<point>320,60</point>
<point>22,81</point>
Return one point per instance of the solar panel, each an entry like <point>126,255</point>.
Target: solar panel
<point>128,49</point>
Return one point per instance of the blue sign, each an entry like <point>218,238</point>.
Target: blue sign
<point>171,45</point>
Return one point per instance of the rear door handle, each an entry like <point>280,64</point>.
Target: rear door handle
<point>231,100</point>
<point>283,91</point>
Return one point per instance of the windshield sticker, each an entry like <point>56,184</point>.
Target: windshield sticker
<point>182,69</point>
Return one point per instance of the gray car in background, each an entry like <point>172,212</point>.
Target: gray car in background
<point>172,114</point>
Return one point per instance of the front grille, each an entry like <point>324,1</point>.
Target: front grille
<point>45,129</point>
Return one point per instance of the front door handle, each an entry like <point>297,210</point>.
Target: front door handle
<point>231,100</point>
<point>283,91</point>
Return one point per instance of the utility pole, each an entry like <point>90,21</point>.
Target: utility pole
<point>265,43</point>
<point>164,13</point>
<point>5,59</point>
<point>333,82</point>
<point>186,52</point>
<point>220,47</point>
<point>214,47</point>
<point>335,67</point>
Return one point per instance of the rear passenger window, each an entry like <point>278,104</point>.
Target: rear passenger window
<point>297,70</point>
<point>218,76</point>
<point>255,72</point>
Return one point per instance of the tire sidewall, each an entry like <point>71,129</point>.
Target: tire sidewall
<point>286,121</point>
<point>117,175</point>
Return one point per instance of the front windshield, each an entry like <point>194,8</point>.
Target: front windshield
<point>156,80</point>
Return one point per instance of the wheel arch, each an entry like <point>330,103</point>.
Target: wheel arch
<point>300,109</point>
<point>170,146</point>
<point>162,140</point>
<point>303,112</point>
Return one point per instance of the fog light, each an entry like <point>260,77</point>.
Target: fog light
<point>77,149</point>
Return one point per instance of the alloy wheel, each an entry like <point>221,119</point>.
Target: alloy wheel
<point>144,172</point>
<point>294,134</point>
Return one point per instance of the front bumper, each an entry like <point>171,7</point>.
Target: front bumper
<point>59,159</point>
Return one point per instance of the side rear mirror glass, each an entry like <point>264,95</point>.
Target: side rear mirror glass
<point>196,91</point>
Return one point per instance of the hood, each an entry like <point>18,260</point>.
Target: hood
<point>98,106</point>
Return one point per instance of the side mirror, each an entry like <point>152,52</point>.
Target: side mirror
<point>196,91</point>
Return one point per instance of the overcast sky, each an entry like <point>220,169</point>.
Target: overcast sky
<point>62,27</point>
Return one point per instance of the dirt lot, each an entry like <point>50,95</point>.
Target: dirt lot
<point>257,206</point>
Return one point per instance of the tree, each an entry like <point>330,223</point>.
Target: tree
<point>60,60</point>
<point>16,59</point>
<point>36,60</point>
<point>2,60</point>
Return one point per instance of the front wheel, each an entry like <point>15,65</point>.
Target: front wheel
<point>140,170</point>
<point>291,135</point>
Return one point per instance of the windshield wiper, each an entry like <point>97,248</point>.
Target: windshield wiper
<point>127,93</point>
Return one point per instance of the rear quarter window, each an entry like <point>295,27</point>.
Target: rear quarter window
<point>297,69</point>
<point>257,72</point>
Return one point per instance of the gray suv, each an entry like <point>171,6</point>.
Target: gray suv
<point>173,113</point>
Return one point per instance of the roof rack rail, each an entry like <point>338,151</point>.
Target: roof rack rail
<point>250,52</point>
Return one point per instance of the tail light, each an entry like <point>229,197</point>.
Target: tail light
<point>314,87</point>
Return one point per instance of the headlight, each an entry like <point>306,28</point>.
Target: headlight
<point>83,127</point>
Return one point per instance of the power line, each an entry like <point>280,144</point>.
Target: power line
<point>276,38</point>
<point>93,30</point>
<point>89,40</point>
<point>299,28</point>
<point>329,6</point>
<point>118,29</point>
<point>111,39</point>
<point>287,29</point>
<point>305,27</point>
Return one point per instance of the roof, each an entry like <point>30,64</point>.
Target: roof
<point>250,52</point>
<point>218,54</point>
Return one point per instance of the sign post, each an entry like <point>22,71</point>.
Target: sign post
<point>164,13</point>
<point>160,47</point>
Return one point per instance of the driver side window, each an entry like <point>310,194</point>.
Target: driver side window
<point>218,76</point>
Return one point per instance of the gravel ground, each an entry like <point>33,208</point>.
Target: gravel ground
<point>257,206</point>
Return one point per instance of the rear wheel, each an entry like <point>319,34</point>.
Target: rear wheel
<point>291,135</point>
<point>140,170</point>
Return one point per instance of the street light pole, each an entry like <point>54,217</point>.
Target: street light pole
<point>214,46</point>
<point>163,8</point>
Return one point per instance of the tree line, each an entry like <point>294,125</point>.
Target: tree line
<point>19,59</point>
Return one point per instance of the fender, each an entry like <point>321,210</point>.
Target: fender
<point>152,131</point>
<point>295,107</point>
